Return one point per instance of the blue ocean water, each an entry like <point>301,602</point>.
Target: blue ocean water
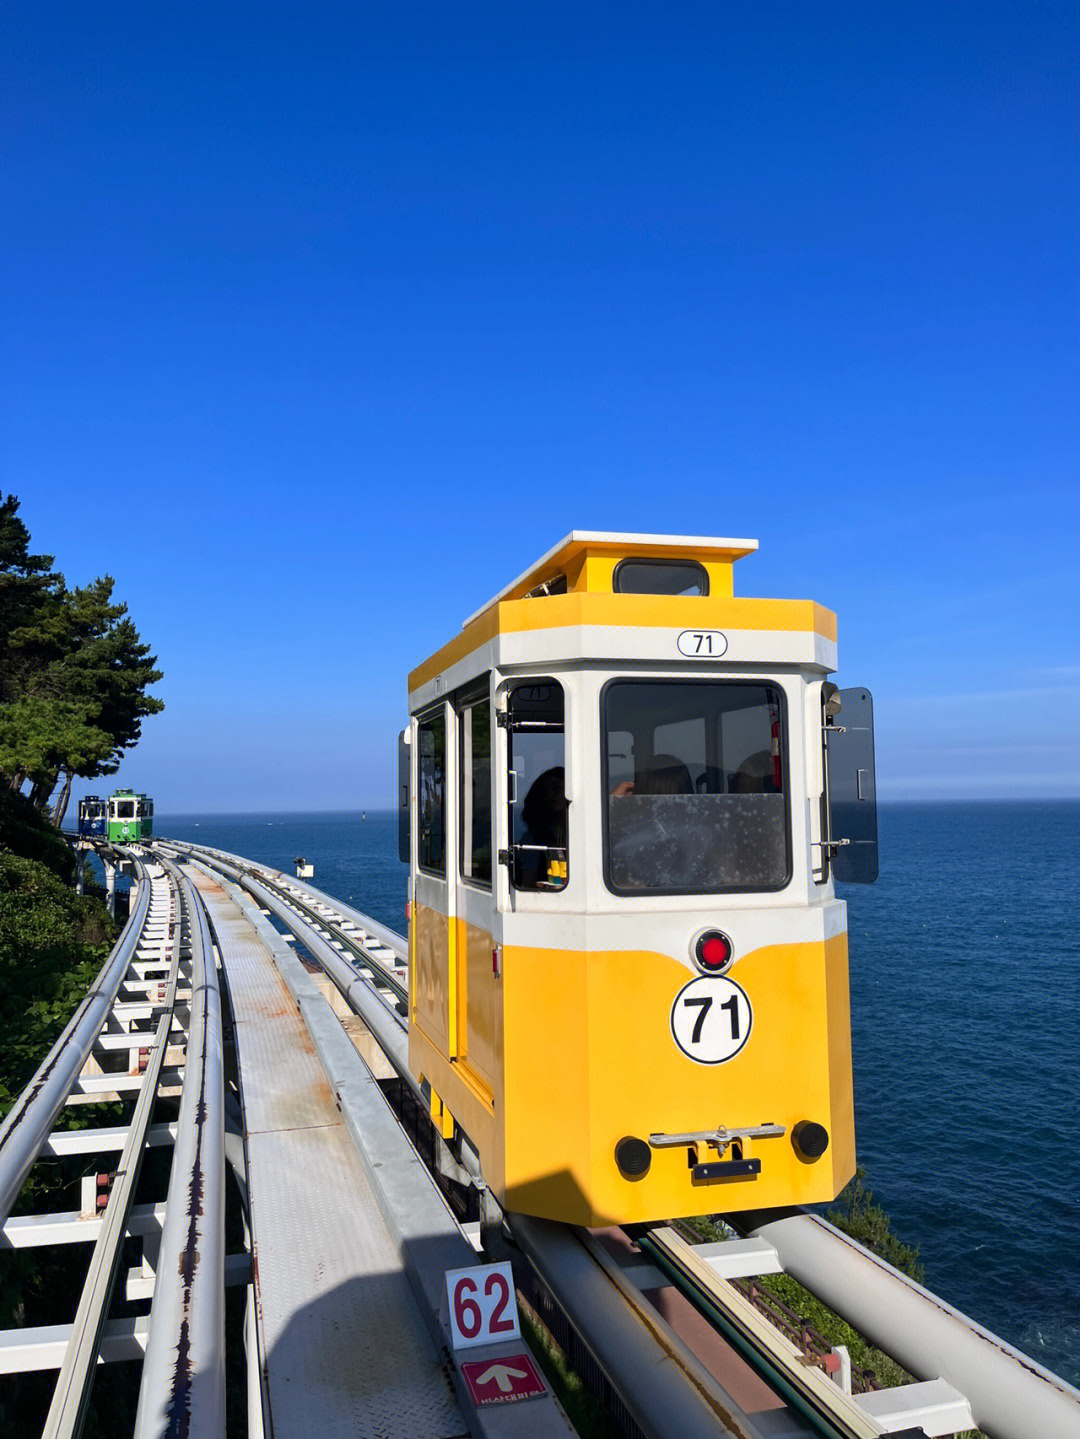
<point>965,996</point>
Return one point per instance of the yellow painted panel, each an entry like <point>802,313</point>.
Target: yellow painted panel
<point>588,561</point>
<point>430,947</point>
<point>648,611</point>
<point>546,1094</point>
<point>590,1059</point>
<point>841,1092</point>
<point>480,1029</point>
<point>428,1060</point>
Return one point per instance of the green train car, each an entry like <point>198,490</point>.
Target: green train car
<point>131,817</point>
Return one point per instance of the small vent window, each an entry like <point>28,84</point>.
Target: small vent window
<point>554,586</point>
<point>660,577</point>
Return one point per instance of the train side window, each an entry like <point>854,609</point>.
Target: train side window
<point>660,577</point>
<point>539,857</point>
<point>431,846</point>
<point>475,805</point>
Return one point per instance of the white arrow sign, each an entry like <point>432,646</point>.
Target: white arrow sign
<point>502,1374</point>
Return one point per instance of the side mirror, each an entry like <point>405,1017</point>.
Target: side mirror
<point>852,785</point>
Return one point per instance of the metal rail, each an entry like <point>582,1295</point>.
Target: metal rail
<point>369,940</point>
<point>1010,1396</point>
<point>183,1379</point>
<point>806,1388</point>
<point>183,1390</point>
<point>72,1393</point>
<point>663,1385</point>
<point>33,1114</point>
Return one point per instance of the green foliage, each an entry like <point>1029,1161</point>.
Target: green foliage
<point>584,1411</point>
<point>22,831</point>
<point>868,1223</point>
<point>834,1329</point>
<point>74,673</point>
<point>52,943</point>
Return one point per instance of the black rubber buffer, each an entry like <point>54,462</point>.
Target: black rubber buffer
<point>633,1156</point>
<point>810,1140</point>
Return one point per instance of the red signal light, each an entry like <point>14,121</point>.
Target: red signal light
<point>713,951</point>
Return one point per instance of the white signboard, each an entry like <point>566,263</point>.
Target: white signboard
<point>711,1019</point>
<point>483,1305</point>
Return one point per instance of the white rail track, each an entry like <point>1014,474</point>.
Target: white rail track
<point>133,1035</point>
<point>965,1376</point>
<point>152,1027</point>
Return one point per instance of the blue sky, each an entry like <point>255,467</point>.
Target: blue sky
<point>321,323</point>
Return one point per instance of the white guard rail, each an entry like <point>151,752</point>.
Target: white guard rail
<point>183,1378</point>
<point>31,1117</point>
<point>1011,1396</point>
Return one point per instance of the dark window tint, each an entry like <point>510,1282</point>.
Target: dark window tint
<point>660,577</point>
<point>431,736</point>
<point>694,776</point>
<point>538,804</point>
<point>475,730</point>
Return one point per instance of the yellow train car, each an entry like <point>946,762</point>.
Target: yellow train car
<point>628,794</point>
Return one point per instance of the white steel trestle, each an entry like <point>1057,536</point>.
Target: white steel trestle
<point>965,1375</point>
<point>139,1012</point>
<point>151,1027</point>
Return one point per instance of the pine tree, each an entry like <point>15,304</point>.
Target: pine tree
<point>75,673</point>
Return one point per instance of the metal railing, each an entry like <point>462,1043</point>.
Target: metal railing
<point>183,1379</point>
<point>1010,1396</point>
<point>33,1114</point>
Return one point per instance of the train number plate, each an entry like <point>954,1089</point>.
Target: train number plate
<point>702,644</point>
<point>711,1019</point>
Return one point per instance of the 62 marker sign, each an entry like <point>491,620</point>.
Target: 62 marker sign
<point>483,1304</point>
<point>711,1019</point>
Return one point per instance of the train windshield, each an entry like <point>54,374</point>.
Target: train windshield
<point>695,778</point>
<point>125,809</point>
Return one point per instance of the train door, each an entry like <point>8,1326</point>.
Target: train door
<point>479,1031</point>
<point>434,951</point>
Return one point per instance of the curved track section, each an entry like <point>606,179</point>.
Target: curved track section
<point>32,1116</point>
<point>132,1043</point>
<point>622,1294</point>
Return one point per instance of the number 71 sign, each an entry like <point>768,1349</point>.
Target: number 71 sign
<point>711,1019</point>
<point>483,1306</point>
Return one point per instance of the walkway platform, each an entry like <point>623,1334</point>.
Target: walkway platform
<point>345,1349</point>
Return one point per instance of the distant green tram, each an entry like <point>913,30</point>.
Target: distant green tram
<point>131,817</point>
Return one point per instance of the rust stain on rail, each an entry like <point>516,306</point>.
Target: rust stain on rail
<point>178,1409</point>
<point>659,1331</point>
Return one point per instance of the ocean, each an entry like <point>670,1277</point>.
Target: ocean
<point>965,999</point>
